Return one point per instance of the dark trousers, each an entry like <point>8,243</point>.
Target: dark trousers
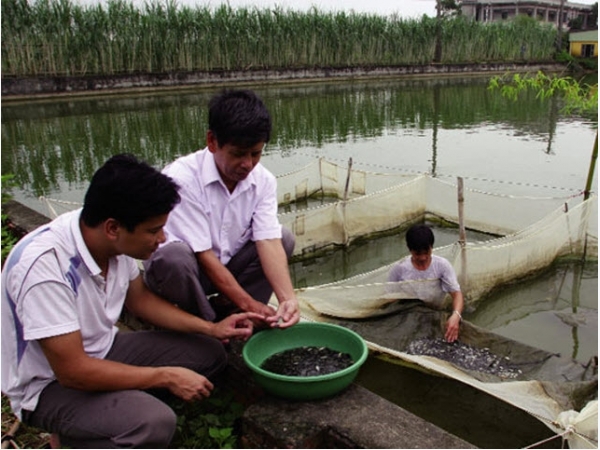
<point>173,273</point>
<point>129,418</point>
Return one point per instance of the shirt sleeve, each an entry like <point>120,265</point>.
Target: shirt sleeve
<point>265,223</point>
<point>47,305</point>
<point>395,273</point>
<point>189,221</point>
<point>448,278</point>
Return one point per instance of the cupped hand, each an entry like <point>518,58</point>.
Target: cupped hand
<point>288,314</point>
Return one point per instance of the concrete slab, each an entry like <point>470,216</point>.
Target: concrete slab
<point>23,218</point>
<point>354,418</point>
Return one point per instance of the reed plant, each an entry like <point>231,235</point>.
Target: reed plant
<point>60,37</point>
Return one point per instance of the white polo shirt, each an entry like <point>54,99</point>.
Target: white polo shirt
<point>438,279</point>
<point>210,217</point>
<point>51,286</point>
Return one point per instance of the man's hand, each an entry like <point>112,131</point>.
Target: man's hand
<point>259,308</point>
<point>452,327</point>
<point>287,314</point>
<point>236,326</point>
<point>187,384</point>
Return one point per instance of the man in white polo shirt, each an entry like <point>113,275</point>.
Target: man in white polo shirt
<point>65,366</point>
<point>226,249</point>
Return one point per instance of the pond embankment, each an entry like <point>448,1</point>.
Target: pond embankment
<point>19,88</point>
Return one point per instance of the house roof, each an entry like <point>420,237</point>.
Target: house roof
<point>582,36</point>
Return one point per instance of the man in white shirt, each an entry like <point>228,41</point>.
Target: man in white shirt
<point>226,249</point>
<point>423,265</point>
<point>66,368</point>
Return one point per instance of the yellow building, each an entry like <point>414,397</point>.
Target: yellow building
<point>584,44</point>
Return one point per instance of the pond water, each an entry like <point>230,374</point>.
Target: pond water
<point>446,127</point>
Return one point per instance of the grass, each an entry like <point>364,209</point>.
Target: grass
<point>24,436</point>
<point>62,37</point>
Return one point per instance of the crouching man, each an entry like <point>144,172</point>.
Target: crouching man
<point>65,366</point>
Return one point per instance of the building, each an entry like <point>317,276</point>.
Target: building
<point>544,10</point>
<point>584,44</point>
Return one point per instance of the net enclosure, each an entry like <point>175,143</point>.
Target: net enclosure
<point>530,233</point>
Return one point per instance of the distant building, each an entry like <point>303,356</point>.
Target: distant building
<point>584,44</point>
<point>544,10</point>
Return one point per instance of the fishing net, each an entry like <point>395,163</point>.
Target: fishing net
<point>545,385</point>
<point>405,320</point>
<point>380,202</point>
<point>534,231</point>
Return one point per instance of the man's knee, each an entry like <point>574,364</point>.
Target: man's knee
<point>172,272</point>
<point>169,264</point>
<point>288,240</point>
<point>154,427</point>
<point>176,255</point>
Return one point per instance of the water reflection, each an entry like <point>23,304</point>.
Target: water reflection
<point>55,146</point>
<point>556,311</point>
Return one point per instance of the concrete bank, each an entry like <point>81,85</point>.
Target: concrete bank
<point>355,418</point>
<point>14,89</point>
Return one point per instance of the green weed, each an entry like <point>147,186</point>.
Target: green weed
<point>211,423</point>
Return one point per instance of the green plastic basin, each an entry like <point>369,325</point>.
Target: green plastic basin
<point>268,342</point>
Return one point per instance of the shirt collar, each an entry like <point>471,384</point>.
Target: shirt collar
<point>210,174</point>
<point>82,249</point>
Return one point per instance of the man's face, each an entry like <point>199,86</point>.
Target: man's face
<point>421,258</point>
<point>144,239</point>
<point>234,163</point>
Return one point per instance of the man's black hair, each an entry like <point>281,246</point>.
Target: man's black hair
<point>239,117</point>
<point>419,238</point>
<point>129,191</point>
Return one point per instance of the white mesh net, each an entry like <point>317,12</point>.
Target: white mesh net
<point>535,231</point>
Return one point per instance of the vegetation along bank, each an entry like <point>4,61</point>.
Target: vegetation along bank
<point>54,46</point>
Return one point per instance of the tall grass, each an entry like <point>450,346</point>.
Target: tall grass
<point>59,37</point>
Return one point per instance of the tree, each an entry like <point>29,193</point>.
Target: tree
<point>575,24</point>
<point>578,97</point>
<point>450,8</point>
<point>444,9</point>
<point>593,17</point>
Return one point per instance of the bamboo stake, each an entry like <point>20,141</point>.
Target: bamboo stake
<point>462,235</point>
<point>590,177</point>
<point>348,179</point>
<point>588,188</point>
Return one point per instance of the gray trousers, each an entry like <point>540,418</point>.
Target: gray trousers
<point>173,273</point>
<point>129,418</point>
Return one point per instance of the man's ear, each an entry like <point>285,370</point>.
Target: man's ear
<point>211,142</point>
<point>112,228</point>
